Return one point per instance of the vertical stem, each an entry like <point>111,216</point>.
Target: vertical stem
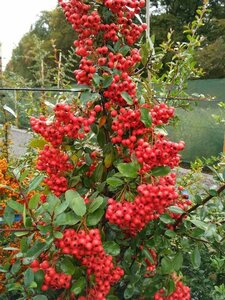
<point>59,69</point>
<point>16,109</point>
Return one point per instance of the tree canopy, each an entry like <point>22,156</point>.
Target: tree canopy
<point>52,31</point>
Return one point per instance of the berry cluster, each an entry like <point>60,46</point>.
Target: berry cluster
<point>161,114</point>
<point>151,201</point>
<point>88,248</point>
<point>121,83</point>
<point>162,153</point>
<point>55,163</point>
<point>65,124</point>
<point>127,126</point>
<point>181,292</point>
<point>91,27</point>
<point>52,279</point>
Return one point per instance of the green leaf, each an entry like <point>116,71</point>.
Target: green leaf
<point>196,258</point>
<point>15,205</point>
<point>178,261</point>
<point>28,277</point>
<point>148,255</point>
<point>76,202</point>
<point>129,292</point>
<point>97,79</point>
<point>129,169</point>
<point>160,171</point>
<point>94,218</point>
<point>200,224</point>
<point>170,233</point>
<point>66,219</point>
<point>107,81</point>
<point>23,175</point>
<point>61,208</point>
<point>111,297</point>
<point>176,210</point>
<point>67,266</point>
<point>34,200</point>
<point>127,98</point>
<point>124,50</point>
<point>166,265</point>
<point>213,192</point>
<point>80,87</point>
<point>95,204</point>
<point>79,286</point>
<point>39,278</point>
<point>24,244</point>
<point>114,182</point>
<point>40,297</point>
<point>88,96</point>
<point>9,215</point>
<point>166,219</point>
<point>16,267</point>
<point>37,248</point>
<point>58,234</point>
<point>111,248</point>
<point>146,117</point>
<point>35,182</point>
<point>98,172</point>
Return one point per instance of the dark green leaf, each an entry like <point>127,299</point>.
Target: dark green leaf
<point>16,267</point>
<point>160,171</point>
<point>79,286</point>
<point>94,218</point>
<point>36,249</point>
<point>114,181</point>
<point>111,248</point>
<point>213,192</point>
<point>98,172</point>
<point>127,98</point>
<point>39,278</point>
<point>15,205</point>
<point>196,258</point>
<point>97,79</point>
<point>76,202</point>
<point>67,266</point>
<point>107,81</point>
<point>40,297</point>
<point>148,255</point>
<point>146,117</point>
<point>28,277</point>
<point>124,50</point>
<point>166,265</point>
<point>66,219</point>
<point>129,291</point>
<point>34,200</point>
<point>129,169</point>
<point>178,261</point>
<point>95,204</point>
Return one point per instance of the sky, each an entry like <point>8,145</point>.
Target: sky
<point>16,18</point>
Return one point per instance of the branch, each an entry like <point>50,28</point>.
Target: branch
<point>193,208</point>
